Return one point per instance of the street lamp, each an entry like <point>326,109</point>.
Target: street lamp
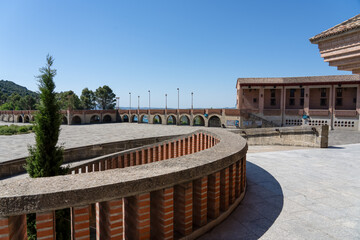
<point>178,111</point>
<point>130,103</point>
<point>165,103</point>
<point>149,103</point>
<point>118,102</point>
<point>138,106</point>
<point>192,101</point>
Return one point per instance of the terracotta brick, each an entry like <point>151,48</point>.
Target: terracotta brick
<point>183,208</point>
<point>214,195</point>
<point>80,224</point>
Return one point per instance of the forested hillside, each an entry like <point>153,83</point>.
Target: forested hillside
<point>8,87</point>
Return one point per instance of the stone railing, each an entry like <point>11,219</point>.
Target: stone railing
<point>199,184</point>
<point>305,136</point>
<point>16,166</point>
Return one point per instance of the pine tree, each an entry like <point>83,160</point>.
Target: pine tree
<point>45,158</point>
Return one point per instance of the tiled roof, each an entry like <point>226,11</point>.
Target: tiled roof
<point>350,24</point>
<point>300,80</point>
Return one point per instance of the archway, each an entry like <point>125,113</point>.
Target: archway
<point>134,118</point>
<point>32,119</point>
<point>64,120</point>
<point>184,120</point>
<point>27,119</point>
<point>214,121</point>
<point>20,119</point>
<point>171,120</point>
<point>144,119</point>
<point>95,119</point>
<point>126,118</point>
<point>76,120</point>
<point>157,119</point>
<point>199,121</point>
<point>107,119</point>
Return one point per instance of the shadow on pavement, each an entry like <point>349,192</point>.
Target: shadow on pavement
<point>259,209</point>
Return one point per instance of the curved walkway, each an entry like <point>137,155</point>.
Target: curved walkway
<point>299,194</point>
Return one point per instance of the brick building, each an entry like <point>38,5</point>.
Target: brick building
<point>320,100</point>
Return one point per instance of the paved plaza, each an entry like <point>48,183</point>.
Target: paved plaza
<point>292,192</point>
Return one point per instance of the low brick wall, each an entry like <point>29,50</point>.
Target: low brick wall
<point>16,166</point>
<point>193,183</point>
<point>304,136</point>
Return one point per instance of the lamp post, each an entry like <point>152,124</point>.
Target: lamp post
<point>149,103</point>
<point>118,102</point>
<point>192,101</point>
<point>130,104</point>
<point>165,103</point>
<point>178,111</point>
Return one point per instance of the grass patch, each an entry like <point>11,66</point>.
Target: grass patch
<point>15,129</point>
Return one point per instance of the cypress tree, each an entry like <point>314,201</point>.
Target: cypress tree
<point>45,158</point>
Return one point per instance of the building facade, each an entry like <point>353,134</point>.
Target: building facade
<point>319,100</point>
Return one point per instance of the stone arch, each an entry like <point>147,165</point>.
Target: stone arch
<point>134,118</point>
<point>95,119</point>
<point>20,119</point>
<point>214,121</point>
<point>184,120</point>
<point>144,118</point>
<point>171,120</point>
<point>107,119</point>
<point>11,118</point>
<point>26,119</point>
<point>125,118</point>
<point>199,120</point>
<point>64,120</point>
<point>76,120</point>
<point>157,119</point>
<point>32,118</point>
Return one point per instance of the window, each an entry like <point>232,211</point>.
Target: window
<point>301,101</point>
<point>292,101</point>
<point>339,101</point>
<point>322,101</point>
<point>272,97</point>
<point>302,94</point>
<point>292,97</point>
<point>354,100</point>
<point>292,93</point>
<point>254,100</point>
<point>323,92</point>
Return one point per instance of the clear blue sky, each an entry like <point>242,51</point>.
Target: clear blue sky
<point>133,46</point>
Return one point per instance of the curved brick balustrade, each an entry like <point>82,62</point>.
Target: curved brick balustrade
<point>175,147</point>
<point>181,197</point>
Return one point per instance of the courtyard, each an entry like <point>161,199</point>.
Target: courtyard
<point>292,192</point>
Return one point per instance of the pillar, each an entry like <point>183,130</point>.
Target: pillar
<point>80,223</point>
<point>332,106</point>
<point>213,195</point>
<point>282,104</point>
<point>224,189</point>
<point>232,183</point>
<point>45,225</point>
<point>358,104</point>
<point>306,100</point>
<point>162,214</point>
<point>261,100</point>
<point>183,208</point>
<point>13,228</point>
<point>109,219</point>
<point>137,216</point>
<point>200,201</point>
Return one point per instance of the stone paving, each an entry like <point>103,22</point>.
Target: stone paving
<point>298,194</point>
<point>15,146</point>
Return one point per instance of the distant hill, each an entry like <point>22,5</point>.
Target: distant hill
<point>9,87</point>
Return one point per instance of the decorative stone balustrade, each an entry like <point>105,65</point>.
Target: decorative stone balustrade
<point>177,189</point>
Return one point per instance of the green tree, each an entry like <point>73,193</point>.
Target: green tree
<point>88,99</point>
<point>105,97</point>
<point>45,157</point>
<point>27,103</point>
<point>69,100</point>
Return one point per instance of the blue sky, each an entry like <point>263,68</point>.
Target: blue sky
<point>199,46</point>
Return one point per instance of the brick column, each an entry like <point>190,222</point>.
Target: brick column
<point>138,158</point>
<point>160,157</point>
<point>306,100</point>
<point>80,224</point>
<point>155,154</point>
<point>214,195</point>
<point>175,149</point>
<point>109,220</point>
<point>150,155</point>
<point>165,151</point>
<point>183,146</point>
<point>194,143</point>
<point>183,208</point>
<point>179,150</point>
<point>45,225</point>
<point>238,179</point>
<point>162,214</point>
<point>224,189</point>
<point>261,100</point>
<point>232,183</point>
<point>13,228</point>
<point>170,150</point>
<point>200,201</point>
<point>189,146</point>
<point>243,174</point>
<point>137,216</point>
<point>201,145</point>
<point>132,158</point>
<point>144,156</point>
